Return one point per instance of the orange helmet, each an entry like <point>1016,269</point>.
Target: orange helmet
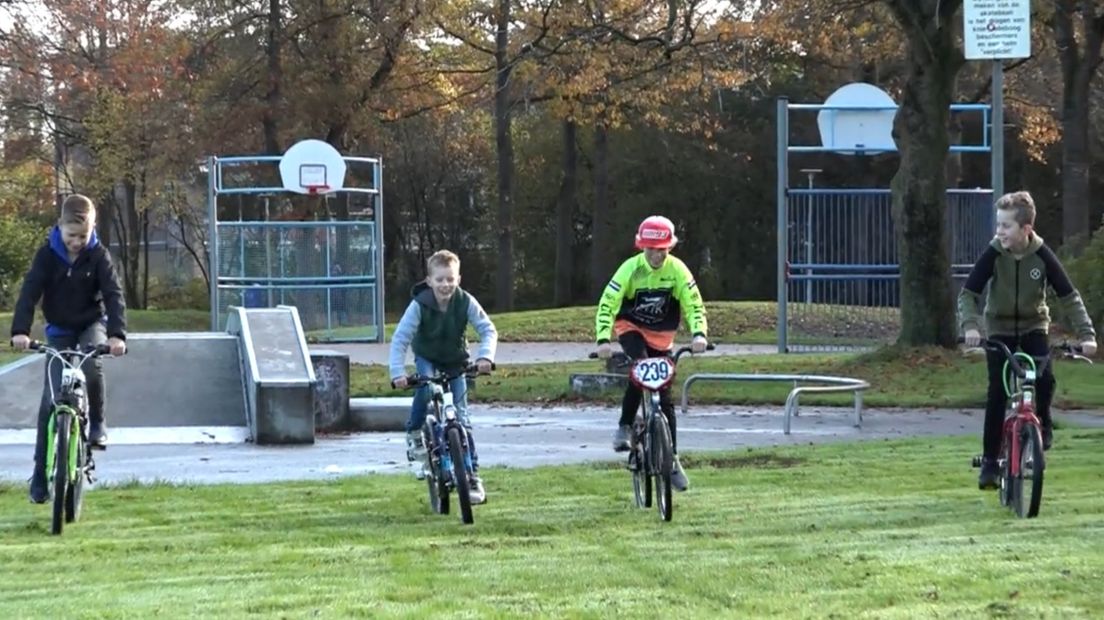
<point>656,232</point>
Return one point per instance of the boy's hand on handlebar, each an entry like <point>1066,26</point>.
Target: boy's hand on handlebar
<point>604,351</point>
<point>21,342</point>
<point>971,338</point>
<point>484,366</point>
<point>698,344</point>
<point>1088,348</point>
<point>117,346</point>
<point>399,383</point>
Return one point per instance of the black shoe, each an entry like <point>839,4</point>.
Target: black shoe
<point>1048,437</point>
<point>990,475</point>
<point>97,434</point>
<point>40,488</point>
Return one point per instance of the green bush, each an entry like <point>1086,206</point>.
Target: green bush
<point>1087,273</point>
<point>168,295</point>
<point>19,239</point>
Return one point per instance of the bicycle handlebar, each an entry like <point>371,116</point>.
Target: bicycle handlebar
<point>623,358</point>
<point>417,380</point>
<point>1069,351</point>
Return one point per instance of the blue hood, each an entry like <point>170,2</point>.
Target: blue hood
<point>58,246</point>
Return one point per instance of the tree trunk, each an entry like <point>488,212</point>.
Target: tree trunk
<point>504,285</point>
<point>129,245</point>
<point>919,187</point>
<point>271,112</point>
<point>1078,68</point>
<point>565,211</point>
<point>600,220</point>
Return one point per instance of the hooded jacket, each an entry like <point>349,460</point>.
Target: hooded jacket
<point>439,336</point>
<point>74,295</point>
<point>1016,302</point>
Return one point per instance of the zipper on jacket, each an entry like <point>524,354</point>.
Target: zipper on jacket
<point>1016,304</point>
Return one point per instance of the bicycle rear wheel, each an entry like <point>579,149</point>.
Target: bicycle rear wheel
<point>1029,483</point>
<point>61,470</point>
<point>460,472</point>
<point>663,463</point>
<point>74,497</point>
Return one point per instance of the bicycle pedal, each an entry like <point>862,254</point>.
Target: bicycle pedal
<point>98,446</point>
<point>976,462</point>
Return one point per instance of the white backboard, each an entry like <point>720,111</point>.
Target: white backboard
<point>996,29</point>
<point>856,131</point>
<point>310,163</point>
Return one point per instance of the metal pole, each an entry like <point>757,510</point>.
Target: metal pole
<point>997,152</point>
<point>378,216</point>
<point>782,141</point>
<point>212,240</point>
<point>809,231</point>
<point>268,251</point>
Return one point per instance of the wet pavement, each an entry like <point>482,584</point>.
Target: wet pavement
<point>512,436</point>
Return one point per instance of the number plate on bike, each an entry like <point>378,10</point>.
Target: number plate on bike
<point>653,373</point>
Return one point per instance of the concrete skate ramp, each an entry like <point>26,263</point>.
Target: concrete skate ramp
<point>165,380</point>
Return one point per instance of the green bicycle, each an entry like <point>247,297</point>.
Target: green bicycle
<point>68,454</point>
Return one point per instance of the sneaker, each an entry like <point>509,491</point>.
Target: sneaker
<point>97,433</point>
<point>621,438</point>
<point>1048,437</point>
<point>415,450</point>
<point>40,488</point>
<point>678,476</point>
<point>990,475</point>
<point>477,493</point>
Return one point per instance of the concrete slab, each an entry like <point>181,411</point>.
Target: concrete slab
<point>165,380</point>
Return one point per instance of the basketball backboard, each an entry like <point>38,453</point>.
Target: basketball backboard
<point>865,129</point>
<point>311,167</point>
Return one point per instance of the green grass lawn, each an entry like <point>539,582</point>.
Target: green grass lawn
<point>881,529</point>
<point>916,378</point>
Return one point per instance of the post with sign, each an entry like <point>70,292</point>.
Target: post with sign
<point>997,30</point>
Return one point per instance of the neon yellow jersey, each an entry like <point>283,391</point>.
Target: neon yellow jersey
<point>652,299</point>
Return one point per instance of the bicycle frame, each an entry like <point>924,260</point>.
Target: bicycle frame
<point>442,401</point>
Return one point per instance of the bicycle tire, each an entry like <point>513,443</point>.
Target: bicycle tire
<point>663,455</point>
<point>61,471</point>
<point>74,497</point>
<point>461,482</point>
<point>1031,463</point>
<point>435,483</point>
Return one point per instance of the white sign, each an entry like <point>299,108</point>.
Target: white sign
<point>996,29</point>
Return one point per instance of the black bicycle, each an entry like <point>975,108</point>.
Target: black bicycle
<point>651,450</point>
<point>446,445</point>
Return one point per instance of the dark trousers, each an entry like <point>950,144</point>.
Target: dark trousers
<point>633,344</point>
<point>94,387</point>
<point>1036,345</point>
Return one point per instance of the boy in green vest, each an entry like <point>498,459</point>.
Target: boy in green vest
<point>1018,267</point>
<point>433,325</point>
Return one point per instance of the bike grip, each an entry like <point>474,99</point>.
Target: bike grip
<point>710,346</point>
<point>34,345</point>
<point>593,355</point>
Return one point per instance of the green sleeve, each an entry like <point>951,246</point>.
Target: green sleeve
<point>610,302</point>
<point>693,308</point>
<point>1073,309</point>
<point>968,315</point>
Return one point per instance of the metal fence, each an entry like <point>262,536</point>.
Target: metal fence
<point>327,270</point>
<point>842,274</point>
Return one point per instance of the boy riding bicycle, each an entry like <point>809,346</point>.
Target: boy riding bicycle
<point>83,306</point>
<point>1018,267</point>
<point>642,305</point>
<point>433,325</point>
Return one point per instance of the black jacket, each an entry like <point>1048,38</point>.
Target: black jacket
<point>73,296</point>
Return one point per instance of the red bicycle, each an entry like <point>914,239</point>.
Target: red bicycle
<point>1022,461</point>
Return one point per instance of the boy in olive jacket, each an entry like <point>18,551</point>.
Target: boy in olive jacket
<point>1018,266</point>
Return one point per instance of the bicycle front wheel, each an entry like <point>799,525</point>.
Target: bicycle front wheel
<point>663,464</point>
<point>1029,483</point>
<point>61,470</point>
<point>74,496</point>
<point>438,488</point>
<point>457,453</point>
